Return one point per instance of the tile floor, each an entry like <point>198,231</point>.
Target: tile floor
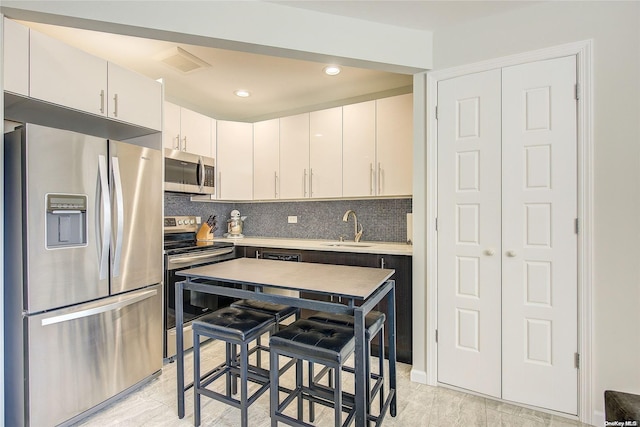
<point>154,405</point>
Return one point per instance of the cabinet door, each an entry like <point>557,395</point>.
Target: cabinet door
<point>394,135</point>
<point>54,65</point>
<point>134,98</point>
<point>359,149</point>
<point>171,126</point>
<point>16,57</point>
<point>195,133</point>
<point>266,159</point>
<point>294,157</point>
<point>404,310</point>
<point>325,153</point>
<point>235,160</point>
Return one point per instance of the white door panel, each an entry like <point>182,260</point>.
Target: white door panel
<point>539,187</point>
<point>469,232</point>
<point>507,246</point>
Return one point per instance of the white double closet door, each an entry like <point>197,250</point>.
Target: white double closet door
<point>507,242</point>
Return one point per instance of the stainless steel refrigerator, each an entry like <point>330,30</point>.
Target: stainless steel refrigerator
<point>83,272</point>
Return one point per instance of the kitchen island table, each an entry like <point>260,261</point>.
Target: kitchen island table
<point>360,287</point>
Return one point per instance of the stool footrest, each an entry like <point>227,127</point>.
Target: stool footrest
<point>311,395</point>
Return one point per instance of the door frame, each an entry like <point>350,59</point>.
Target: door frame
<point>583,52</point>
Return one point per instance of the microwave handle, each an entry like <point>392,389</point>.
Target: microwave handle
<point>201,173</point>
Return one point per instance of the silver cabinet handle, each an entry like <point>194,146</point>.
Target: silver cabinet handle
<point>102,101</point>
<point>103,268</point>
<point>184,146</point>
<point>132,299</point>
<point>511,254</point>
<point>117,257</point>
<point>311,182</point>
<point>177,147</point>
<point>275,184</point>
<point>379,179</point>
<point>304,183</point>
<point>489,252</point>
<point>219,185</point>
<point>371,174</point>
<point>381,262</point>
<point>115,105</point>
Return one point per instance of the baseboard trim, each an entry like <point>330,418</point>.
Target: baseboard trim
<point>598,418</point>
<point>418,376</point>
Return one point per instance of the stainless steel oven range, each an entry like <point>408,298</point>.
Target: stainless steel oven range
<point>181,251</point>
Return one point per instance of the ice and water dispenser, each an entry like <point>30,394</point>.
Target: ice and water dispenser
<point>66,220</point>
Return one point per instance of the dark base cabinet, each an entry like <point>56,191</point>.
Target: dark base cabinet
<point>403,277</point>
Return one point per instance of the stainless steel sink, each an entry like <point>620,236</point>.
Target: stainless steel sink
<point>347,244</point>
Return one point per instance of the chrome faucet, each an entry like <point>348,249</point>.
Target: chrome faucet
<point>357,234</point>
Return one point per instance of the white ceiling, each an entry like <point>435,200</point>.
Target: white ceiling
<point>279,86</point>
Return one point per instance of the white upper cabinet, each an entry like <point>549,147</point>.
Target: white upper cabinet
<point>134,98</point>
<point>234,160</point>
<point>266,159</point>
<point>195,133</point>
<point>325,153</point>
<point>394,145</point>
<point>294,157</point>
<point>186,130</point>
<point>359,149</point>
<point>67,76</point>
<point>16,57</point>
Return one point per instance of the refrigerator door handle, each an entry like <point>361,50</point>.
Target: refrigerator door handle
<point>78,314</point>
<point>103,268</point>
<point>120,217</point>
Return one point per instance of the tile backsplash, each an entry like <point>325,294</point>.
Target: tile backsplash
<point>383,220</point>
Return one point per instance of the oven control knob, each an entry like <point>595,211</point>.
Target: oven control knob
<point>179,222</point>
<point>192,221</point>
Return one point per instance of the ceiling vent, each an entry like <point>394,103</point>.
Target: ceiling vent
<point>182,60</point>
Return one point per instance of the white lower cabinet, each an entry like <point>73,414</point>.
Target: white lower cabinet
<point>266,159</point>
<point>507,240</point>
<point>234,160</point>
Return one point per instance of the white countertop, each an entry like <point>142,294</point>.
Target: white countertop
<point>381,248</point>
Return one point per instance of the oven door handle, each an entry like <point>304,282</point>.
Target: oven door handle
<point>209,254</point>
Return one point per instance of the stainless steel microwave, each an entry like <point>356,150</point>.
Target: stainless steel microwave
<point>188,173</point>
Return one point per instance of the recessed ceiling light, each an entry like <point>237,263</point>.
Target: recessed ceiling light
<point>242,93</point>
<point>332,70</point>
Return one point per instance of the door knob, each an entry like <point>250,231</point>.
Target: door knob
<point>511,254</point>
<point>489,252</point>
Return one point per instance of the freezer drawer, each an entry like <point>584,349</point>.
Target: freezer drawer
<point>80,356</point>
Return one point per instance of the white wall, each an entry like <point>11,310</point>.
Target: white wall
<point>615,30</point>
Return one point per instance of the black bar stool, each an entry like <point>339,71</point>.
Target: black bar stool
<point>235,327</point>
<point>317,342</point>
<point>280,312</point>
<point>374,325</point>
